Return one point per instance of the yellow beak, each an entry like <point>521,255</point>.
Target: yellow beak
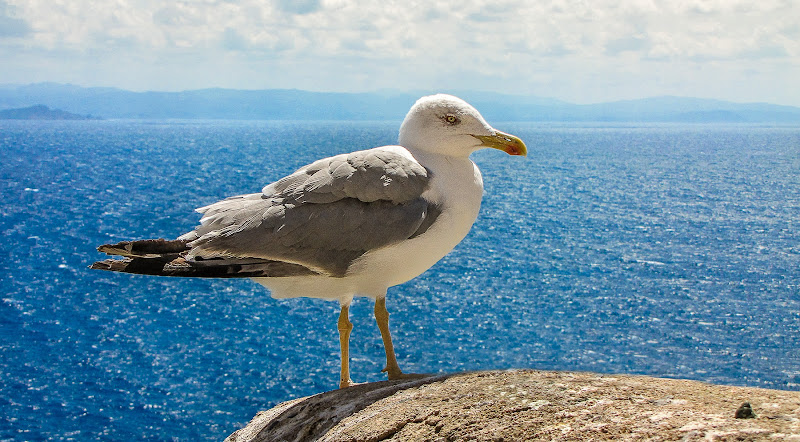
<point>506,142</point>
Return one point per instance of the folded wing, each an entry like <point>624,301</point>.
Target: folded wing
<point>317,220</point>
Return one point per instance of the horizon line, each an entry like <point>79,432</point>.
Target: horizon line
<point>385,91</point>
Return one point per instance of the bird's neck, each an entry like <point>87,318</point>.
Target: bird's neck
<point>434,161</point>
<point>452,175</point>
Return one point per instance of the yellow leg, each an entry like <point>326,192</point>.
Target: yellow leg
<point>345,327</point>
<point>382,318</point>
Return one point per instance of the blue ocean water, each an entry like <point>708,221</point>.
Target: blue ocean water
<point>665,250</point>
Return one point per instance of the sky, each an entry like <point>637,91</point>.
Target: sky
<point>579,51</point>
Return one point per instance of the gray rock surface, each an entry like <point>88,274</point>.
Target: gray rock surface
<point>530,405</point>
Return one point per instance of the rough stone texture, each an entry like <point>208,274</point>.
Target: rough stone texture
<point>525,405</point>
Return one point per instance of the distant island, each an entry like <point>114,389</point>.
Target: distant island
<point>41,112</point>
<point>299,105</point>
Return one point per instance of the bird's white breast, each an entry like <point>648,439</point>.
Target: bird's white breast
<point>457,188</point>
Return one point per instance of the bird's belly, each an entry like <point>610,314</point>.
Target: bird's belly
<point>396,264</point>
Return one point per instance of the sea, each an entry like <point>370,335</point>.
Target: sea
<point>669,250</point>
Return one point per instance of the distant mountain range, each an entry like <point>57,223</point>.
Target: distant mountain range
<point>290,104</point>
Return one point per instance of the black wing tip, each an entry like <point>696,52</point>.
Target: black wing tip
<point>111,265</point>
<point>99,265</point>
<point>142,266</point>
<point>158,246</point>
<point>106,248</point>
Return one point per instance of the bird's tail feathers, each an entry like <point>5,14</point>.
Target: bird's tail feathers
<point>163,257</point>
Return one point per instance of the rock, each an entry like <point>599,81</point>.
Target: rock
<point>745,411</point>
<point>527,404</point>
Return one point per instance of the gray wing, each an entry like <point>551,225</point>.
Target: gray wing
<point>323,216</point>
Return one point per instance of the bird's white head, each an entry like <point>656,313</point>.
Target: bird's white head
<point>447,125</point>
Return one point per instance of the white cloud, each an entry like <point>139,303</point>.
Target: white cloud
<point>571,49</point>
<point>11,26</point>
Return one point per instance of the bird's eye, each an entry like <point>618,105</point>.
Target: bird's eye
<point>451,119</point>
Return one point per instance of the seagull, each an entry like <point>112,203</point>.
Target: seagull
<point>350,225</point>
